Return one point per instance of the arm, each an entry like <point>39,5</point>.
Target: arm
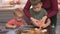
<point>48,23</point>
<point>34,21</point>
<point>10,26</point>
<point>41,23</point>
<point>54,9</point>
<point>26,9</point>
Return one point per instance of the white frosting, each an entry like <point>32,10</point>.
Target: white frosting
<point>44,30</point>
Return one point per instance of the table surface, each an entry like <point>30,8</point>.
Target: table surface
<point>12,31</point>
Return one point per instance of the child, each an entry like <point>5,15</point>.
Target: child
<point>39,14</point>
<point>17,21</point>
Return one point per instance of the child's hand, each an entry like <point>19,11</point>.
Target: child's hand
<point>10,26</point>
<point>44,19</point>
<point>14,26</point>
<point>39,23</point>
<point>42,22</point>
<point>34,21</point>
<point>47,23</point>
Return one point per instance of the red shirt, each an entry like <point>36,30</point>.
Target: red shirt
<point>50,5</point>
<point>15,22</point>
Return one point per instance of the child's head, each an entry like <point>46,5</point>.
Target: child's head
<point>18,13</point>
<point>36,4</point>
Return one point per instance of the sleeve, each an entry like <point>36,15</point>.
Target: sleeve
<point>10,22</point>
<point>26,9</point>
<point>54,9</point>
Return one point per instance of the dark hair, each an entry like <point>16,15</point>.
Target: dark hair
<point>35,2</point>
